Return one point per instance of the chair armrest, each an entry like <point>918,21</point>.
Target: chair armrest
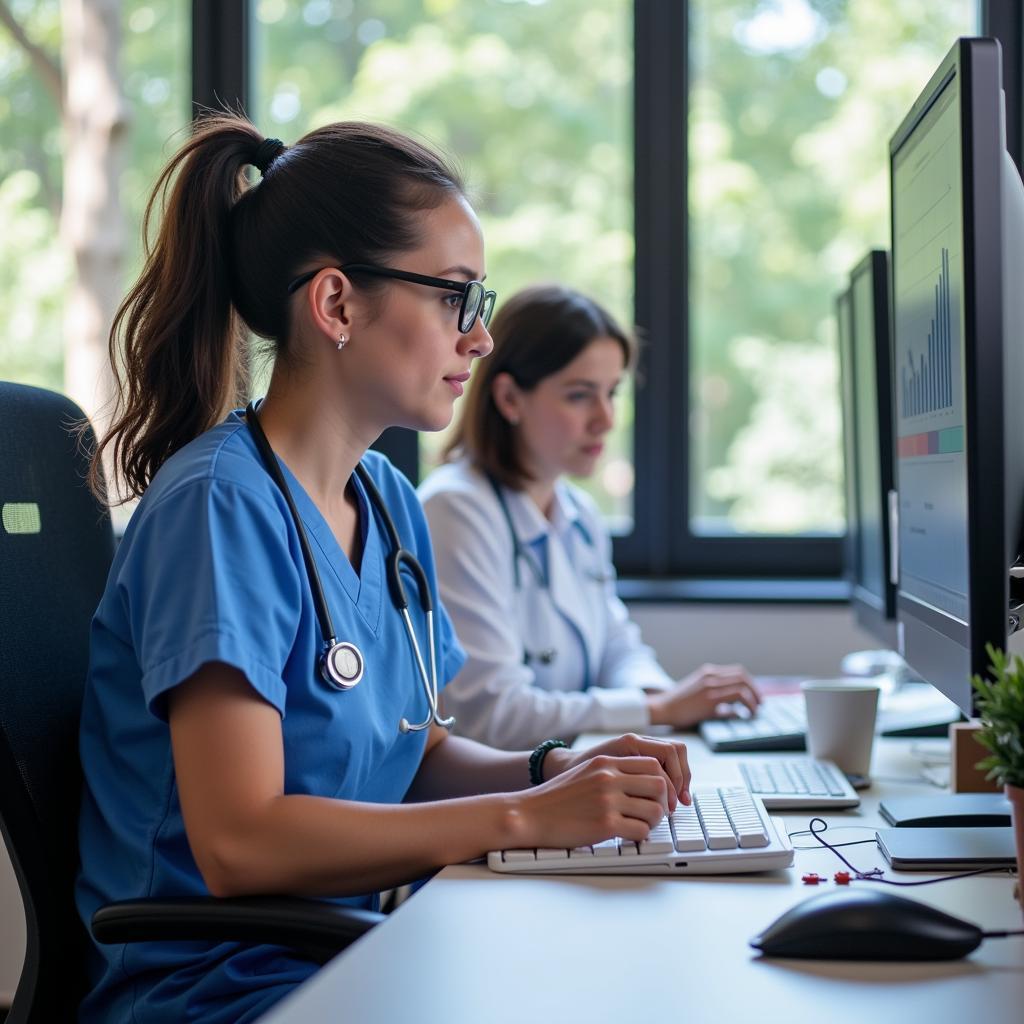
<point>313,928</point>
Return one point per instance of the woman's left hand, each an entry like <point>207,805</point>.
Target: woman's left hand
<point>671,755</point>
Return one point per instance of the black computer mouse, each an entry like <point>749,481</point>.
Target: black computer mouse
<point>867,924</point>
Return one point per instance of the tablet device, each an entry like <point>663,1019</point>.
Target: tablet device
<point>947,849</point>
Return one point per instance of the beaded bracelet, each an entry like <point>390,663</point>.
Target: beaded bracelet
<point>537,759</point>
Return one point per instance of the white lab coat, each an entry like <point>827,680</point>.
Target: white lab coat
<point>506,695</point>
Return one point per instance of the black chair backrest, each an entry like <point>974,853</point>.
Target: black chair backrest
<point>56,545</point>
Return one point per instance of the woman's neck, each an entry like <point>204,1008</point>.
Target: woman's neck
<point>314,439</point>
<point>542,494</point>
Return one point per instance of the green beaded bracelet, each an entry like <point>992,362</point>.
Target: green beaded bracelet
<point>537,759</point>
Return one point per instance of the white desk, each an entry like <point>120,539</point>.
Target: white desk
<point>477,947</point>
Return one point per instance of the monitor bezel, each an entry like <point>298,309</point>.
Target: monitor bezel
<point>976,64</point>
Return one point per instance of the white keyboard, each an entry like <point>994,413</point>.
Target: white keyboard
<point>726,830</point>
<point>798,783</point>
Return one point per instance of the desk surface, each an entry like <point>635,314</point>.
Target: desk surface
<point>473,946</point>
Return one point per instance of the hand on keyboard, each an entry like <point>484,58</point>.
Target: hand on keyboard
<point>623,787</point>
<point>704,694</point>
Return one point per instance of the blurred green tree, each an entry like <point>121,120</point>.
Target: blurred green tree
<point>792,104</point>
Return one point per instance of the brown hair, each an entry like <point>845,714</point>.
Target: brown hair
<point>225,253</point>
<point>536,333</point>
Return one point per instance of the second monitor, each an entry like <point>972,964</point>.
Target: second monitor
<point>863,316</point>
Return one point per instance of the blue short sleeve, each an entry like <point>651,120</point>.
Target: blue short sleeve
<point>211,577</point>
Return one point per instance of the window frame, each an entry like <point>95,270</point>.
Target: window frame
<point>661,546</point>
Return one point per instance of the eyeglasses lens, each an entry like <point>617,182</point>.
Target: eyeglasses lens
<point>488,307</point>
<point>471,302</point>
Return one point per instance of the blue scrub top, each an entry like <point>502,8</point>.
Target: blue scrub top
<point>210,569</point>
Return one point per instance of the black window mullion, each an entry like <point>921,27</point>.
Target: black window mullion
<point>659,188</point>
<point>1005,21</point>
<point>220,55</point>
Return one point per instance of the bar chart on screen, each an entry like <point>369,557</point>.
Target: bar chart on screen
<point>928,357</point>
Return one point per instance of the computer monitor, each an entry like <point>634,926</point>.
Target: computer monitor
<point>958,314</point>
<point>863,316</point>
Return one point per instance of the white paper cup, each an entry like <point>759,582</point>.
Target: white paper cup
<point>841,722</point>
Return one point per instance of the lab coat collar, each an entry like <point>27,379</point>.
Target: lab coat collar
<point>531,524</point>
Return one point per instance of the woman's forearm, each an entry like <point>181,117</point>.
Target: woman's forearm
<point>321,847</point>
<point>459,767</point>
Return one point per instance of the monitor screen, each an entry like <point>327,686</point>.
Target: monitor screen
<point>927,212</point>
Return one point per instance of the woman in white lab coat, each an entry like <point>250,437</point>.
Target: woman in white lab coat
<point>523,557</point>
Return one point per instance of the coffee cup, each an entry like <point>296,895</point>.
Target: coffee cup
<point>841,722</point>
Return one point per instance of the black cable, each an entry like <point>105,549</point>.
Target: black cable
<point>1002,935</point>
<point>852,842</point>
<point>875,874</point>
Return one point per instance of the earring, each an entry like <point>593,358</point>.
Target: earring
<point>342,341</point>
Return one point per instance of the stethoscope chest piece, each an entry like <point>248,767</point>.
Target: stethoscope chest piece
<point>341,665</point>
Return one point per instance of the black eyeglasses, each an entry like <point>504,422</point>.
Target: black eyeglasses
<point>477,301</point>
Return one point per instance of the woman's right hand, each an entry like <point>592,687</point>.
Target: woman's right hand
<point>705,693</point>
<point>604,796</point>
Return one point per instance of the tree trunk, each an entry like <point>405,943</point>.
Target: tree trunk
<point>95,121</point>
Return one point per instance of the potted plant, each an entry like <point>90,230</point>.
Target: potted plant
<point>1000,704</point>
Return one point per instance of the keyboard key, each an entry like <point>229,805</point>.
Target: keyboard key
<point>660,839</point>
<point>750,830</point>
<point>689,836</point>
<point>608,848</point>
<point>715,821</point>
<point>518,856</point>
<point>546,853</point>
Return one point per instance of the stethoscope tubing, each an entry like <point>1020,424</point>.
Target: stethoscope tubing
<point>272,466</point>
<point>397,557</point>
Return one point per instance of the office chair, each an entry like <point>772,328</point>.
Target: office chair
<point>56,545</point>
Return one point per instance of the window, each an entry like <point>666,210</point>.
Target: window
<point>792,103</point>
<point>708,169</point>
<point>788,106</point>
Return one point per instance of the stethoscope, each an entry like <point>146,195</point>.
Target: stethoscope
<point>546,655</point>
<point>340,663</point>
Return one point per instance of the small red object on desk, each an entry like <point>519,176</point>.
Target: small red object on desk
<point>813,878</point>
<point>842,877</point>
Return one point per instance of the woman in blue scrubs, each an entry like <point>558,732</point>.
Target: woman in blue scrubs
<point>216,757</point>
<point>551,648</point>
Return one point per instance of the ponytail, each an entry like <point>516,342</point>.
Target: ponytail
<point>177,338</point>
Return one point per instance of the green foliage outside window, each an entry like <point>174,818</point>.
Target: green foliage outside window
<point>34,266</point>
<point>792,105</point>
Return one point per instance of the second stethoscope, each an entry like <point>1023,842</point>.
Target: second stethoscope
<point>340,663</point>
<point>546,655</point>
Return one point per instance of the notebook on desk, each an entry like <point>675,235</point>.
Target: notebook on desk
<point>725,831</point>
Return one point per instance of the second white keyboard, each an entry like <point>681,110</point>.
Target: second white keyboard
<point>725,830</point>
<point>798,783</point>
